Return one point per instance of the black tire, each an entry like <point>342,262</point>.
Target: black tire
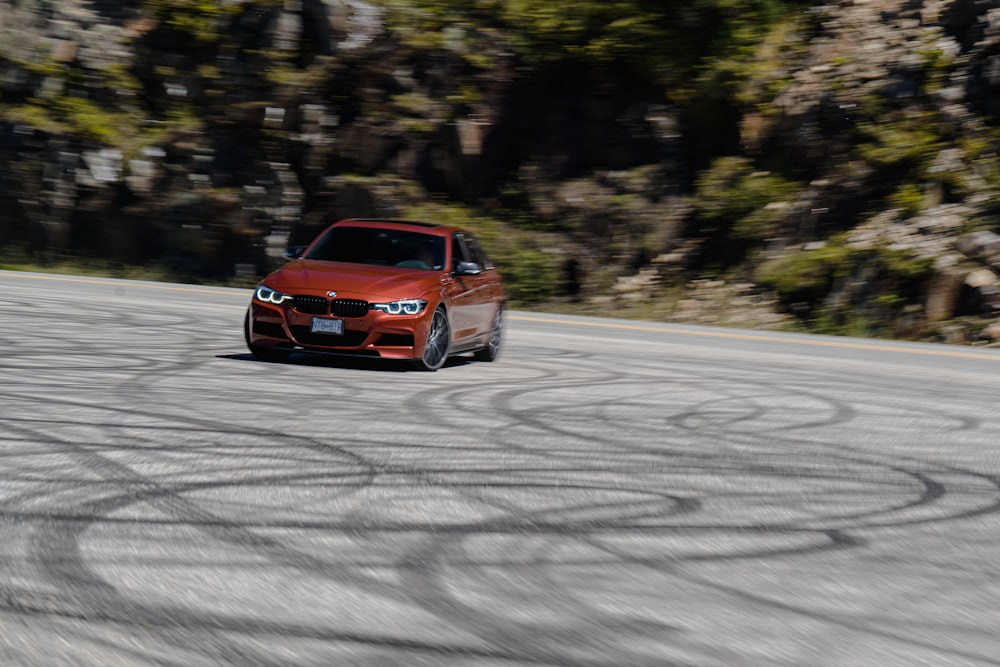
<point>262,353</point>
<point>438,342</point>
<point>492,350</point>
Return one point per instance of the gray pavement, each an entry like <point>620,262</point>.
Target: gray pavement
<point>607,493</point>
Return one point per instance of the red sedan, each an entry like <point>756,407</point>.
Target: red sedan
<point>381,288</point>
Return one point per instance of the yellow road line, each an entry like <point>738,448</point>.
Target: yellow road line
<point>815,342</point>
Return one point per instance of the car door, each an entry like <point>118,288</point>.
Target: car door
<point>486,284</point>
<point>461,293</point>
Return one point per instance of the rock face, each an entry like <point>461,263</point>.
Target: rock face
<point>204,161</point>
<point>206,136</point>
<point>912,87</point>
<point>213,136</point>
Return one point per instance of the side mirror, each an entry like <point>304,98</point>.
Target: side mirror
<point>294,252</point>
<point>468,269</point>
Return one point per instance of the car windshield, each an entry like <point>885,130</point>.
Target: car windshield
<point>387,247</point>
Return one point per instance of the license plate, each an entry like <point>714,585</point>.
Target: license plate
<point>322,325</point>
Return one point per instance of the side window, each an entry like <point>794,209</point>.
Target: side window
<point>477,254</point>
<point>458,253</point>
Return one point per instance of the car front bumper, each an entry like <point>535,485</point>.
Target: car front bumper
<point>375,334</point>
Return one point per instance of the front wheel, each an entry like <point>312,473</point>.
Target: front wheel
<point>438,342</point>
<point>492,350</point>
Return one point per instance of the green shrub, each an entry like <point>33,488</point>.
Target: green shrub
<point>736,207</point>
<point>198,18</point>
<point>908,198</point>
<point>905,267</point>
<point>732,195</point>
<point>893,141</point>
<point>893,279</point>
<point>806,276</point>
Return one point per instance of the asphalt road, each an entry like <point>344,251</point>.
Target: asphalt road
<point>607,493</point>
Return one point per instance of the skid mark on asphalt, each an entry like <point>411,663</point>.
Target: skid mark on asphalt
<point>557,507</point>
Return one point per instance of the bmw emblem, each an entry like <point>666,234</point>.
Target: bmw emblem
<point>331,294</point>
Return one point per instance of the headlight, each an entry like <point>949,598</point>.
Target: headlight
<point>268,295</point>
<point>402,307</point>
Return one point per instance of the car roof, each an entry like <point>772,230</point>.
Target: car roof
<point>391,223</point>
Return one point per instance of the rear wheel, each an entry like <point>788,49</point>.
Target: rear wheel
<point>492,350</point>
<point>262,353</point>
<point>438,342</point>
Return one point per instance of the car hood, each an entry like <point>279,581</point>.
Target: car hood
<point>353,281</point>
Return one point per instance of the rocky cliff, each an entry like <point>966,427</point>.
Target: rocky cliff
<point>840,173</point>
